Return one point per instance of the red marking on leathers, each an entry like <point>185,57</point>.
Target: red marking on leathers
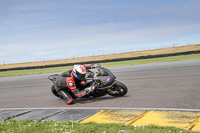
<point>69,101</point>
<point>71,80</point>
<point>82,94</point>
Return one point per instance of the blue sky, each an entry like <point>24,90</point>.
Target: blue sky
<point>37,30</point>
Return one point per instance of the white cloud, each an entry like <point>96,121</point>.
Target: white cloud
<point>102,37</point>
<point>61,29</point>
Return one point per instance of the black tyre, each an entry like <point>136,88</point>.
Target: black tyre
<point>55,92</point>
<point>118,90</point>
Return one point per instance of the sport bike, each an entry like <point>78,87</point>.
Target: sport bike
<point>102,80</point>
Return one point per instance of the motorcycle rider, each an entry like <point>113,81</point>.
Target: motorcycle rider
<point>70,79</point>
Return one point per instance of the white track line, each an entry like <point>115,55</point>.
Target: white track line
<point>105,108</point>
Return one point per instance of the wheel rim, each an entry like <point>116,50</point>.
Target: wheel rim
<point>116,90</point>
<point>119,89</point>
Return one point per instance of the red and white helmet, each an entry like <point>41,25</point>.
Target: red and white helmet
<point>79,72</point>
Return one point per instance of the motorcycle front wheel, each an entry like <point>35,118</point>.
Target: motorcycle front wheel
<point>118,90</point>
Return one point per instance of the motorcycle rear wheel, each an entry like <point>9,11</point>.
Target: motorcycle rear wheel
<point>55,92</point>
<point>118,90</point>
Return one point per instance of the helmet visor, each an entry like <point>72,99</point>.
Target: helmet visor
<point>80,76</point>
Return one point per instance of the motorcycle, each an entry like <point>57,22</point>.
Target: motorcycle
<point>104,81</point>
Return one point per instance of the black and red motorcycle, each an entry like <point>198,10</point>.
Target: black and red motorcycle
<point>104,81</point>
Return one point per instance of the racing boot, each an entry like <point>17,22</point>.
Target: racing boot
<point>81,93</point>
<point>66,96</point>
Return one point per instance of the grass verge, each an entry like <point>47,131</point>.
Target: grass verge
<point>29,126</point>
<point>110,64</point>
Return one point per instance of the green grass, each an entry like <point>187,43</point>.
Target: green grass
<point>110,64</point>
<point>29,126</point>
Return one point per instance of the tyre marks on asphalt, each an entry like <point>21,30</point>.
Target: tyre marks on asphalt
<point>47,114</point>
<point>8,114</point>
<point>188,120</point>
<point>39,114</point>
<point>73,115</point>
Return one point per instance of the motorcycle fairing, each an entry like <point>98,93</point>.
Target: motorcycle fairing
<point>106,80</point>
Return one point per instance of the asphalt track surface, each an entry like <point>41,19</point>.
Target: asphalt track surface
<point>157,85</point>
